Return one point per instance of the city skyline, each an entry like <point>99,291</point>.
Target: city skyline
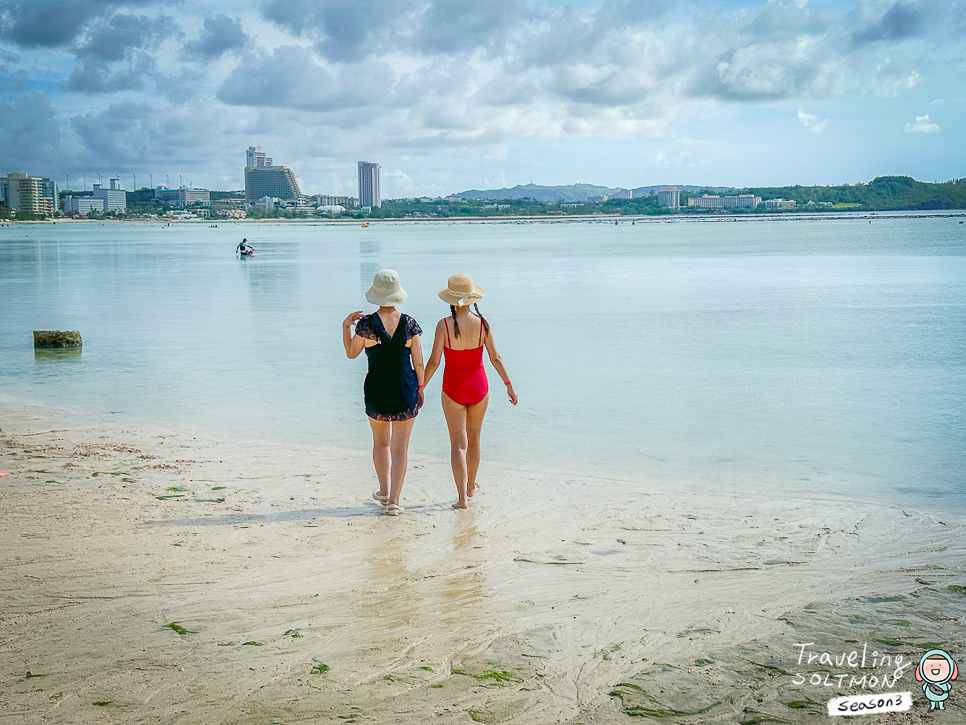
<point>452,96</point>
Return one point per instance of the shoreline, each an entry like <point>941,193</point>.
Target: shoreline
<point>542,603</point>
<point>655,218</point>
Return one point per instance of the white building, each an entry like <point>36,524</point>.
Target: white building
<point>780,204</point>
<point>182,196</point>
<point>329,200</point>
<point>28,194</point>
<point>669,198</point>
<point>713,201</point>
<point>188,196</point>
<point>369,192</point>
<point>742,201</point>
<point>115,198</point>
<point>255,158</point>
<point>83,204</point>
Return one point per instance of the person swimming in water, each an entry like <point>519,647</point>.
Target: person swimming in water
<point>460,341</point>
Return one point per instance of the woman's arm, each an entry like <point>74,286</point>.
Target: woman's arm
<point>436,356</point>
<point>353,343</point>
<point>497,363</point>
<point>416,350</point>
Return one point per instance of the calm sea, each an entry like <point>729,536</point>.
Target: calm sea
<point>811,355</point>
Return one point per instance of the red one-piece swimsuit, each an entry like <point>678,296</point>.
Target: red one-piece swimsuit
<point>464,379</point>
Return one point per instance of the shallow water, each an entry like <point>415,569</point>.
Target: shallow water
<point>797,356</point>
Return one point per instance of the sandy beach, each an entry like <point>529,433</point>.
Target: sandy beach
<point>152,575</point>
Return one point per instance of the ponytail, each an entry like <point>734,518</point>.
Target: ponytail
<point>456,325</point>
<point>486,325</point>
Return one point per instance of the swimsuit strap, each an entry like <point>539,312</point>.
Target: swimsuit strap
<point>481,332</point>
<point>446,325</point>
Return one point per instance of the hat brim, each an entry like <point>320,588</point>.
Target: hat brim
<point>455,298</point>
<point>396,298</point>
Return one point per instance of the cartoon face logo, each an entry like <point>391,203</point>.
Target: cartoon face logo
<point>936,670</point>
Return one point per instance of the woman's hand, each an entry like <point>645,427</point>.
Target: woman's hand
<point>421,398</point>
<point>352,319</point>
<point>512,393</point>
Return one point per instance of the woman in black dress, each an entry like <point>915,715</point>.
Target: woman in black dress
<point>394,384</point>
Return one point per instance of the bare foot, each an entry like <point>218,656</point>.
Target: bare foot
<point>476,490</point>
<point>460,505</point>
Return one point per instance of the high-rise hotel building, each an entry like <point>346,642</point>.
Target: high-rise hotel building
<point>29,194</point>
<point>369,193</point>
<point>263,179</point>
<point>669,197</point>
<point>255,157</point>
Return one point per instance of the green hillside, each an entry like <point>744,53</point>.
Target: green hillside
<point>883,193</point>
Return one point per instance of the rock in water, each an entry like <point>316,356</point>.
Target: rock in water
<point>48,339</point>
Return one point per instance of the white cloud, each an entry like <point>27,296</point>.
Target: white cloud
<point>811,122</point>
<point>922,124</point>
<point>323,82</point>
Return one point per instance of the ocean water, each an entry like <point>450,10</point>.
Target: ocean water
<point>820,356</point>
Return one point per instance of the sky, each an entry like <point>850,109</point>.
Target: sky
<point>452,95</point>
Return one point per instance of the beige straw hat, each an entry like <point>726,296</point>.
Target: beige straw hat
<point>385,290</point>
<point>460,291</point>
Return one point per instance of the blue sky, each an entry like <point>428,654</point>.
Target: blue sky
<point>450,95</point>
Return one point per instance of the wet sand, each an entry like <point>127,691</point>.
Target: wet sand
<point>152,575</point>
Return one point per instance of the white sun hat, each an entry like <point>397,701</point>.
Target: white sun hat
<point>385,290</point>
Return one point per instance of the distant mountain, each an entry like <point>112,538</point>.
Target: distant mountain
<point>573,193</point>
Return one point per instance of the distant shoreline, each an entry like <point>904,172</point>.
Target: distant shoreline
<point>644,218</point>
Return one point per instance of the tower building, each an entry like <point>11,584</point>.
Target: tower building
<point>369,192</point>
<point>263,179</point>
<point>255,158</point>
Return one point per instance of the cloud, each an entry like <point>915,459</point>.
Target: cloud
<point>811,122</point>
<point>95,76</point>
<point>454,26</point>
<point>7,60</point>
<point>112,39</point>
<point>117,53</point>
<point>53,23</point>
<point>900,21</point>
<point>29,132</point>
<point>221,35</point>
<point>343,30</point>
<point>136,134</point>
<point>455,78</point>
<point>471,73</point>
<point>922,124</point>
<point>290,77</point>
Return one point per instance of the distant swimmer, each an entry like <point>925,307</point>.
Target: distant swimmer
<point>245,248</point>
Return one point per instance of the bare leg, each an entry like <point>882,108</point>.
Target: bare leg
<point>380,452</point>
<point>399,447</point>
<point>474,424</point>
<point>455,415</point>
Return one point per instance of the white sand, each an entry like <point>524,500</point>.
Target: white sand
<point>531,607</point>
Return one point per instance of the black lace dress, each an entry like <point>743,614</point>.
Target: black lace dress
<point>391,387</point>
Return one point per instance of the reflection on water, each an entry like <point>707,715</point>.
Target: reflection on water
<point>369,256</point>
<point>55,355</point>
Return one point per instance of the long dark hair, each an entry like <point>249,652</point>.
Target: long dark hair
<point>456,325</point>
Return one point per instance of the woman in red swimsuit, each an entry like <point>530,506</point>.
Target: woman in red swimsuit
<point>460,339</point>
